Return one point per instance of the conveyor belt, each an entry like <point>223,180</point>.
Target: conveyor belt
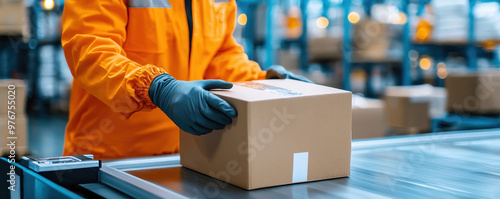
<point>462,164</point>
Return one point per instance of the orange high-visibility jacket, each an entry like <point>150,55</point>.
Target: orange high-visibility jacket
<point>115,48</point>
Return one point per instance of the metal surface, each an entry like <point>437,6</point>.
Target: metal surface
<point>33,185</point>
<point>60,163</point>
<point>442,165</point>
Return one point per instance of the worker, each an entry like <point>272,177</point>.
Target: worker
<point>140,71</point>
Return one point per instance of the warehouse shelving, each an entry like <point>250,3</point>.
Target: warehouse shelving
<point>271,43</point>
<point>471,50</point>
<point>469,47</point>
<point>248,7</point>
<point>437,50</point>
<point>302,42</point>
<point>348,62</point>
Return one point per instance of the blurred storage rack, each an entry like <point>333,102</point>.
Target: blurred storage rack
<point>36,54</point>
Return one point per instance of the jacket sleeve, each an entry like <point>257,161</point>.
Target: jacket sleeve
<point>230,62</point>
<point>93,32</point>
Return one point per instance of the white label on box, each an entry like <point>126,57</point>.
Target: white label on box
<point>300,162</point>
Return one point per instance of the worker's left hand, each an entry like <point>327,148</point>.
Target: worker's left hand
<point>279,72</point>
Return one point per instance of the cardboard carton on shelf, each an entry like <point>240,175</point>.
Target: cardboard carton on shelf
<point>370,41</point>
<point>290,58</point>
<point>473,92</point>
<point>12,89</point>
<point>411,108</point>
<point>325,48</point>
<point>368,118</point>
<point>13,18</point>
<point>286,132</point>
<point>20,151</point>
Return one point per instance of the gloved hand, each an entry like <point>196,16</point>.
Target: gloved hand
<point>190,105</point>
<point>279,72</point>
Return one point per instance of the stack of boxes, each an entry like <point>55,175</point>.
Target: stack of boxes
<point>325,48</point>
<point>370,41</point>
<point>476,93</point>
<point>20,120</point>
<point>451,20</point>
<point>368,118</point>
<point>13,18</point>
<point>487,21</point>
<point>410,109</point>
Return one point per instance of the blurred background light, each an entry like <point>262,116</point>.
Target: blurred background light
<point>242,19</point>
<point>399,18</point>
<point>442,73</point>
<point>413,55</point>
<point>425,63</point>
<point>353,17</point>
<point>424,30</point>
<point>48,4</point>
<point>293,20</point>
<point>423,34</point>
<point>322,22</point>
<point>441,65</point>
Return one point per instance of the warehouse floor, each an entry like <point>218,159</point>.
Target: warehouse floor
<point>46,131</point>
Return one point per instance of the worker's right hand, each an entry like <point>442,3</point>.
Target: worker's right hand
<point>190,105</point>
<point>279,72</point>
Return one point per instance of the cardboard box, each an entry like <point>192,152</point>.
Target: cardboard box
<point>411,108</point>
<point>13,18</point>
<point>368,118</point>
<point>19,96</point>
<point>290,58</point>
<point>324,48</point>
<point>21,132</point>
<point>474,93</point>
<point>403,113</point>
<point>286,132</point>
<point>20,151</point>
<point>370,41</point>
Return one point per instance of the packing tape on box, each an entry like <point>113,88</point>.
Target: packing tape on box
<point>268,88</point>
<point>300,163</point>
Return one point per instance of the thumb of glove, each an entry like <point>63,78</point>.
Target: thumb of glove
<point>214,84</point>
<point>277,72</point>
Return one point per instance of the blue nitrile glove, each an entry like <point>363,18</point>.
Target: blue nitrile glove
<point>279,72</point>
<point>190,105</point>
